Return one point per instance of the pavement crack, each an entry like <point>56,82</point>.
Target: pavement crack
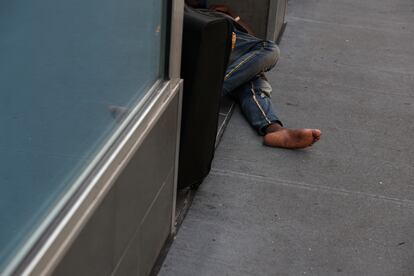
<point>304,185</point>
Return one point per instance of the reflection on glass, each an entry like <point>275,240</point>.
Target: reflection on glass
<point>67,70</point>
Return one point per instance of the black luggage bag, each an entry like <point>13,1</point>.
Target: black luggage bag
<point>205,55</point>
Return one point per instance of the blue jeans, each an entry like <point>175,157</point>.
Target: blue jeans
<point>245,80</point>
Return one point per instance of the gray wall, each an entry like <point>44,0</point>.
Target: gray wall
<point>264,16</point>
<point>126,233</point>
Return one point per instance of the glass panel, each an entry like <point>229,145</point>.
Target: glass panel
<point>68,69</point>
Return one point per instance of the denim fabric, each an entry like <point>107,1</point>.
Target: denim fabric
<point>245,80</point>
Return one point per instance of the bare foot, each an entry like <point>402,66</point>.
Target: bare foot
<point>291,138</point>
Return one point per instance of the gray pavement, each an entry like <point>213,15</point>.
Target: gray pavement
<point>343,207</point>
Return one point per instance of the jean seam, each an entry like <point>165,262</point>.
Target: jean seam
<point>238,65</point>
<point>258,104</point>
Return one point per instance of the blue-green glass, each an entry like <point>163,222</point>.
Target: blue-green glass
<point>64,65</point>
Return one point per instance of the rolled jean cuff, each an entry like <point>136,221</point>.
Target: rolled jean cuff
<point>261,127</point>
<point>262,130</point>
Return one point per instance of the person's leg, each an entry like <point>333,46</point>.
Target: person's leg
<point>250,57</point>
<point>255,103</point>
<point>245,81</point>
<point>254,100</point>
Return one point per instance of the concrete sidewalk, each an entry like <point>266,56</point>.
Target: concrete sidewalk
<point>346,205</point>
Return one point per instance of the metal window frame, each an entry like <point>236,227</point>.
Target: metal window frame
<point>97,179</point>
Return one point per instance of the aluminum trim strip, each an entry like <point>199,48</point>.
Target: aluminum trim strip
<point>177,152</point>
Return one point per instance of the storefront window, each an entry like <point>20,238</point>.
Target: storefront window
<point>69,72</point>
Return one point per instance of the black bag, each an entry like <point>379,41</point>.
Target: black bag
<point>205,55</point>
